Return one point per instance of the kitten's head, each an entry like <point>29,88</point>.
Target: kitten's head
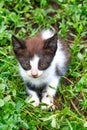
<point>35,54</point>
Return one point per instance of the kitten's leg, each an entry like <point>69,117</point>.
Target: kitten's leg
<point>34,99</point>
<point>48,95</point>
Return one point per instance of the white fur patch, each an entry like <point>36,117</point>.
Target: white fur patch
<point>46,34</point>
<point>34,62</point>
<point>34,67</point>
<point>60,57</point>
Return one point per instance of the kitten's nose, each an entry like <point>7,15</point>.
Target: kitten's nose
<point>35,76</point>
<point>34,73</point>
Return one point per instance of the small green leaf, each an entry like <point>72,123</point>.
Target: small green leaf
<point>7,98</point>
<point>80,56</point>
<point>1,103</point>
<point>53,123</point>
<point>85,124</point>
<point>24,124</point>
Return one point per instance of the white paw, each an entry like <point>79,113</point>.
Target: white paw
<point>48,103</point>
<point>34,101</point>
<point>35,104</point>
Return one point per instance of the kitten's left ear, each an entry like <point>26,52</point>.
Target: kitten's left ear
<point>51,43</point>
<point>17,43</point>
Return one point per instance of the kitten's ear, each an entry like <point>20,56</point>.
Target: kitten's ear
<point>51,42</point>
<point>18,43</point>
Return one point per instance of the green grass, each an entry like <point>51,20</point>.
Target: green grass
<point>25,19</point>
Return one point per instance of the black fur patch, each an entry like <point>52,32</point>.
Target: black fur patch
<point>39,90</point>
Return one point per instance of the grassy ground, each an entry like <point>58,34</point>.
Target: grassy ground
<point>25,18</point>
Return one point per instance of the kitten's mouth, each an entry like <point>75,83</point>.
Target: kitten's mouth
<point>34,76</point>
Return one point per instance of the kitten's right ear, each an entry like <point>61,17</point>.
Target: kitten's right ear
<point>18,43</point>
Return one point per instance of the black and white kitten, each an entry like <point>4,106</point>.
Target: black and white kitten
<point>42,59</point>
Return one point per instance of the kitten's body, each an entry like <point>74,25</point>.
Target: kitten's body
<point>50,50</point>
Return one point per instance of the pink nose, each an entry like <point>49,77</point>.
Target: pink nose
<point>34,75</point>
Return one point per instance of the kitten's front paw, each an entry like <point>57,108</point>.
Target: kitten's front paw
<point>48,101</point>
<point>34,101</point>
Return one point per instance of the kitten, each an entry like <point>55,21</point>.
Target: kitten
<point>42,59</point>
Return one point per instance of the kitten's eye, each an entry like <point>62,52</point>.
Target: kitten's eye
<point>26,66</point>
<point>42,65</point>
